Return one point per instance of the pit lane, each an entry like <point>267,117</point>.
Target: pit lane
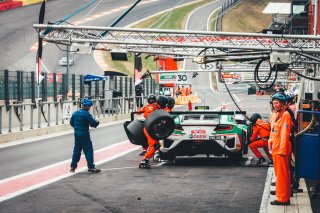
<point>196,184</point>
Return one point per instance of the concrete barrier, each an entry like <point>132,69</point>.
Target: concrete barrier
<point>13,136</point>
<point>182,100</point>
<point>28,2</point>
<point>10,4</point>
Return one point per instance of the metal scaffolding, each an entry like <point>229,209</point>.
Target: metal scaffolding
<point>179,42</point>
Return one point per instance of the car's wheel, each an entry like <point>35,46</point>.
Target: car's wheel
<point>235,157</point>
<point>134,131</point>
<point>167,156</point>
<point>245,143</point>
<point>159,124</point>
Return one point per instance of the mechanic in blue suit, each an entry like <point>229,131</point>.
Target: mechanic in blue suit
<point>80,121</point>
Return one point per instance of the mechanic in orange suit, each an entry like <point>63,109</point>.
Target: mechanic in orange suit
<point>183,91</point>
<point>280,145</point>
<point>170,104</point>
<point>153,144</point>
<point>261,129</point>
<point>147,110</point>
<point>187,91</point>
<point>169,108</point>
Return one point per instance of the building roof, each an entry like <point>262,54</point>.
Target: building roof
<point>277,8</point>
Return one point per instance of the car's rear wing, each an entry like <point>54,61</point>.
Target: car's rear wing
<point>199,112</point>
<point>207,112</point>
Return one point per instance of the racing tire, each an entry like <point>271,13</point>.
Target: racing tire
<point>167,156</point>
<point>235,157</point>
<point>159,124</point>
<point>245,141</point>
<point>134,131</point>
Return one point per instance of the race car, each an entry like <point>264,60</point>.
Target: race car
<point>219,133</point>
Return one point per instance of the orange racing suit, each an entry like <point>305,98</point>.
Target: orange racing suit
<point>279,141</point>
<point>147,110</point>
<point>261,129</point>
<point>168,109</point>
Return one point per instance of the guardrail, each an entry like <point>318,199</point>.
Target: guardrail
<point>21,116</point>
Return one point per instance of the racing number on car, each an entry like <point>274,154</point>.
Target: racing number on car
<point>182,78</point>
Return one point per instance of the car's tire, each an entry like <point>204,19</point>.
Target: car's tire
<point>159,124</point>
<point>167,156</point>
<point>235,157</point>
<point>134,131</point>
<point>245,143</point>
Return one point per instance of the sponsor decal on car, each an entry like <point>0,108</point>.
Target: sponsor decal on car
<point>215,137</point>
<point>198,134</point>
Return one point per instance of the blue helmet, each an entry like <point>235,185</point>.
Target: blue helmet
<point>279,96</point>
<point>86,102</point>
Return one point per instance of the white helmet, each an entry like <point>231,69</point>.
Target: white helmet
<point>167,93</point>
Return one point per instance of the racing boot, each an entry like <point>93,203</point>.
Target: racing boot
<point>261,160</point>
<point>144,164</point>
<point>143,152</point>
<point>94,170</point>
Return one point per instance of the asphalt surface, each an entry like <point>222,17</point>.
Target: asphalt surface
<point>190,185</point>
<point>52,150</point>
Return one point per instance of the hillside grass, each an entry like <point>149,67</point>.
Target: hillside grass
<point>174,19</point>
<point>252,19</point>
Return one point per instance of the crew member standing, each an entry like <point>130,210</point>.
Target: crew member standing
<point>80,121</point>
<point>183,91</point>
<point>259,138</point>
<point>280,146</point>
<point>147,110</point>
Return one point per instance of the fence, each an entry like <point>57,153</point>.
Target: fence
<point>225,7</point>
<point>26,105</point>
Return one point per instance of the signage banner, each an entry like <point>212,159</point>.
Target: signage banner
<point>172,78</point>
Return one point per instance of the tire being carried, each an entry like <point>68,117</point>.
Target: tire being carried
<point>134,132</point>
<point>159,124</point>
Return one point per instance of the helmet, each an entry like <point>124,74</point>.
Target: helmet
<point>86,102</point>
<point>278,96</point>
<point>162,101</point>
<point>171,102</point>
<point>254,117</point>
<point>280,90</point>
<point>151,99</point>
<point>167,93</point>
<point>289,97</point>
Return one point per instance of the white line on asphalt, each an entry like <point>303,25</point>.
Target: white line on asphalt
<point>59,163</point>
<point>208,29</point>
<point>248,161</point>
<point>237,99</point>
<point>160,164</point>
<point>3,198</point>
<point>266,192</point>
<point>132,167</point>
<point>186,27</point>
